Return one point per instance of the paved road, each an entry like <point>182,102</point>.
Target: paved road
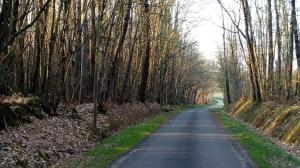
<point>192,139</point>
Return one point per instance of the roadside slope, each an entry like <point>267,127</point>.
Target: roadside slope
<point>264,150</point>
<point>279,121</point>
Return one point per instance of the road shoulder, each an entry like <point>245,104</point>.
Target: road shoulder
<point>261,150</point>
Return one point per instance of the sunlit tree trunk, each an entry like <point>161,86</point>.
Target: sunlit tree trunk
<point>297,46</point>
<point>250,44</point>
<point>289,59</point>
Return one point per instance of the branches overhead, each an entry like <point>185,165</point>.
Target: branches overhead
<point>5,43</point>
<point>232,19</point>
<point>269,77</point>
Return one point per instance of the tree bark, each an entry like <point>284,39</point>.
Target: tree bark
<point>270,51</point>
<point>297,47</point>
<point>289,59</point>
<point>227,87</point>
<point>111,84</point>
<point>146,62</point>
<point>78,78</point>
<point>250,45</point>
<point>279,49</point>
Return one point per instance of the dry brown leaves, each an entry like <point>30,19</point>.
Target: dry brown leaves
<point>43,143</point>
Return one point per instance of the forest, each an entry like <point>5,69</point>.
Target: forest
<point>73,65</point>
<point>122,51</point>
<point>82,82</point>
<point>260,54</point>
<point>259,68</point>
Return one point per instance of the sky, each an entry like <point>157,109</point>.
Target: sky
<point>203,19</point>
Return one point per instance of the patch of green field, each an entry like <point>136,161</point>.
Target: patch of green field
<point>265,153</point>
<point>218,96</point>
<point>111,148</point>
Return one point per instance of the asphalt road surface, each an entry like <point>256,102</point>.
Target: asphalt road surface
<point>192,139</point>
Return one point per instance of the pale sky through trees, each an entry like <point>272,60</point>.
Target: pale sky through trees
<point>203,21</point>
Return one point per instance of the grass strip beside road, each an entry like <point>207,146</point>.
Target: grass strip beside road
<point>113,147</point>
<point>262,151</point>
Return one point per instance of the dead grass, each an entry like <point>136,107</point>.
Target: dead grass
<point>279,121</point>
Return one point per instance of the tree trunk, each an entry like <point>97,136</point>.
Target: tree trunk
<point>35,87</point>
<point>297,47</point>
<point>84,57</point>
<point>227,87</point>
<point>111,84</point>
<point>129,63</point>
<point>93,47</point>
<point>7,23</point>
<point>279,50</point>
<point>250,44</point>
<point>270,51</point>
<point>146,62</point>
<point>289,59</point>
<point>78,45</point>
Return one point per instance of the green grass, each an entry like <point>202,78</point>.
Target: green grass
<point>110,149</point>
<point>218,96</point>
<point>262,151</point>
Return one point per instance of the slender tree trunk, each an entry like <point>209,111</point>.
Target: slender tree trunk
<point>20,72</point>
<point>37,64</point>
<point>174,61</point>
<point>297,47</point>
<point>270,51</point>
<point>289,59</point>
<point>129,63</point>
<point>93,47</point>
<point>279,49</point>
<point>6,27</point>
<point>146,62</point>
<point>250,44</point>
<point>78,45</point>
<point>52,43</point>
<point>228,96</point>
<point>112,80</point>
<point>84,56</point>
<point>105,51</point>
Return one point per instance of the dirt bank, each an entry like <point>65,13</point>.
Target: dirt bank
<point>279,122</point>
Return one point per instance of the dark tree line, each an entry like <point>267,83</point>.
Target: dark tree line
<point>108,50</point>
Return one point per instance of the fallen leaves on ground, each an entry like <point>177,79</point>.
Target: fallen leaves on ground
<point>45,142</point>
